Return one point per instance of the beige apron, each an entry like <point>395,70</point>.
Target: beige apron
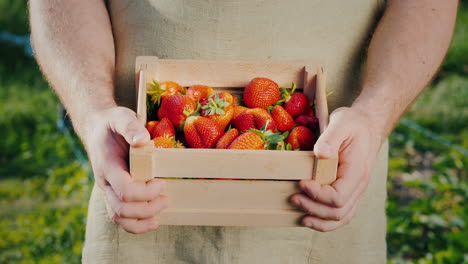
<point>334,32</point>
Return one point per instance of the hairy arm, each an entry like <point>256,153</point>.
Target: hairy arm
<point>74,46</point>
<point>405,51</point>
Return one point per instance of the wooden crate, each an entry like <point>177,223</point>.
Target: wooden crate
<point>266,178</point>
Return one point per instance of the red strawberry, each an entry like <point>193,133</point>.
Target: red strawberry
<point>166,142</point>
<point>297,104</point>
<point>226,140</point>
<point>248,140</point>
<point>259,139</point>
<point>301,138</point>
<point>150,127</point>
<point>238,109</point>
<point>217,109</point>
<point>201,132</point>
<point>164,90</point>
<point>254,119</point>
<point>177,108</point>
<point>227,96</point>
<point>261,93</point>
<point>164,128</point>
<point>198,92</point>
<point>283,119</point>
<point>308,121</point>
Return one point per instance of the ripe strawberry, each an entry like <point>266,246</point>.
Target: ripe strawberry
<point>297,104</point>
<point>248,140</point>
<point>226,140</point>
<point>166,142</point>
<point>254,119</point>
<point>238,109</point>
<point>176,108</point>
<point>198,92</point>
<point>301,138</point>
<point>283,119</point>
<point>201,132</point>
<point>161,91</point>
<point>309,121</point>
<point>227,96</point>
<point>150,127</point>
<point>218,110</point>
<point>261,93</point>
<point>164,128</point>
<point>258,139</point>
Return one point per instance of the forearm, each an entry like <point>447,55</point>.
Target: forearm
<point>74,47</point>
<point>405,51</point>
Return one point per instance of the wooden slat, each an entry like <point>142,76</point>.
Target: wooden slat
<point>321,107</point>
<point>226,73</point>
<point>141,163</point>
<point>222,217</point>
<point>240,164</point>
<point>230,194</point>
<point>141,97</point>
<point>325,170</point>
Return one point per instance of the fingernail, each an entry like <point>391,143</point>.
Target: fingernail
<point>138,137</point>
<point>324,150</point>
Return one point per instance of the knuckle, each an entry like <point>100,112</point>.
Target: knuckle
<point>121,210</point>
<point>337,215</point>
<point>339,201</point>
<point>126,193</point>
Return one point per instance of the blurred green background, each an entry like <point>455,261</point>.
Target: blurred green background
<point>44,187</point>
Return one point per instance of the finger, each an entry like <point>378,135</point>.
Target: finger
<point>328,225</point>
<point>324,211</point>
<point>329,143</point>
<point>128,190</point>
<point>350,174</point>
<point>137,226</point>
<point>126,124</point>
<point>144,209</point>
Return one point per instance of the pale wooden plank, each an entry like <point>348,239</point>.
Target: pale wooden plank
<point>141,97</point>
<point>240,164</point>
<point>321,107</point>
<point>325,170</point>
<point>231,194</point>
<point>222,217</point>
<point>141,164</point>
<point>226,73</point>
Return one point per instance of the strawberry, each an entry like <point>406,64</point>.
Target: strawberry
<point>297,104</point>
<point>309,121</point>
<point>161,91</point>
<point>248,140</point>
<point>150,126</point>
<point>261,93</point>
<point>258,139</point>
<point>201,132</point>
<point>254,119</point>
<point>283,119</point>
<point>226,140</point>
<point>301,138</point>
<point>176,108</point>
<point>166,142</point>
<point>227,96</point>
<point>218,110</point>
<point>198,92</point>
<point>238,109</point>
<point>164,128</point>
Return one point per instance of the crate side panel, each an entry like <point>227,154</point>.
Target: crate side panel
<point>230,194</point>
<point>230,73</point>
<point>245,217</point>
<point>240,164</point>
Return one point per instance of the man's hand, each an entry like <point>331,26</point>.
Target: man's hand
<point>133,205</point>
<point>352,136</point>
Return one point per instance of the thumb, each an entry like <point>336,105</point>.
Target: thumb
<point>329,143</point>
<point>125,123</point>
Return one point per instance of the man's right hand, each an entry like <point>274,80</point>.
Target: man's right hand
<point>132,205</point>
